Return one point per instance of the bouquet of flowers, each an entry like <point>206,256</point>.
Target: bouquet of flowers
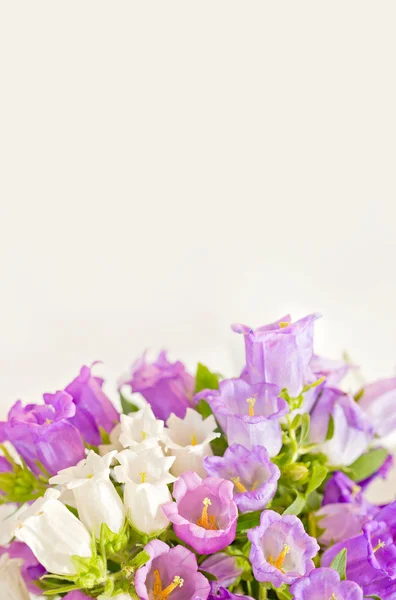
<point>204,487</point>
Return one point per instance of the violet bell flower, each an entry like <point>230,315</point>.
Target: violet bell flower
<point>170,573</point>
<point>248,414</point>
<point>44,433</point>
<point>280,353</point>
<point>31,569</point>
<point>281,550</point>
<point>204,514</point>
<point>224,567</point>
<point>378,401</point>
<point>325,584</point>
<point>253,474</point>
<point>166,386</point>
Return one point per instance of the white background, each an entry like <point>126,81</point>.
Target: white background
<point>168,168</point>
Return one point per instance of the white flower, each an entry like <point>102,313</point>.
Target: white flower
<point>96,498</point>
<point>12,584</point>
<point>7,514</point>
<point>189,441</point>
<point>146,477</point>
<point>138,430</point>
<point>53,534</point>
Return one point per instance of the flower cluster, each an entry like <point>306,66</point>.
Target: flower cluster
<point>208,488</point>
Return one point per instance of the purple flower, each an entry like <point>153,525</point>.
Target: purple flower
<point>44,433</point>
<point>340,488</point>
<point>94,410</point>
<point>31,569</point>
<point>379,403</point>
<point>252,472</point>
<point>281,550</point>
<point>224,567</point>
<point>324,584</point>
<point>170,571</point>
<point>352,429</point>
<point>333,371</point>
<point>204,514</point>
<point>224,594</point>
<point>166,386</point>
<point>249,414</point>
<point>341,521</point>
<point>280,353</point>
<point>371,558</point>
<point>77,595</point>
<point>381,472</point>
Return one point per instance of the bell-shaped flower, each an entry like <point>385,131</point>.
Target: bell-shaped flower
<point>96,498</point>
<point>12,585</point>
<point>31,569</point>
<point>170,574</point>
<point>323,584</point>
<point>120,596</point>
<point>281,550</point>
<point>44,433</point>
<point>352,430</point>
<point>94,410</point>
<point>141,430</point>
<point>224,594</point>
<point>53,534</point>
<point>76,595</point>
<point>225,569</point>
<point>252,472</point>
<point>330,371</point>
<point>204,514</point>
<point>248,414</point>
<point>146,477</point>
<point>341,521</point>
<point>188,440</point>
<point>280,353</point>
<point>378,401</point>
<point>166,386</point>
<point>7,522</point>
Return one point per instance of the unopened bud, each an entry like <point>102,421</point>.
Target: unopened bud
<point>295,472</point>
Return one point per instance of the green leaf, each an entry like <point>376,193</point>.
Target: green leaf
<point>319,473</point>
<point>219,445</point>
<point>248,520</point>
<point>305,423</point>
<point>208,575</point>
<point>339,563</point>
<point>140,559</point>
<point>330,429</point>
<point>297,506</point>
<point>204,409</point>
<point>127,406</point>
<point>367,464</point>
<point>374,597</point>
<point>205,379</point>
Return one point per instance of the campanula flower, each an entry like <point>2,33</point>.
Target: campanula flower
<point>76,595</point>
<point>146,477</point>
<point>31,569</point>
<point>280,353</point>
<point>96,498</point>
<point>330,371</point>
<point>188,440</point>
<point>204,514</point>
<point>352,429</point>
<point>378,401</point>
<point>53,534</point>
<point>13,586</point>
<point>166,386</point>
<point>171,573</point>
<point>325,584</point>
<point>224,594</point>
<point>249,414</point>
<point>253,474</point>
<point>94,410</point>
<point>224,567</point>
<point>44,433</point>
<point>341,521</point>
<point>281,550</point>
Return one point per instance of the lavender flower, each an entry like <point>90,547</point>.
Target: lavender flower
<point>44,433</point>
<point>332,371</point>
<point>170,571</point>
<point>341,521</point>
<point>280,353</point>
<point>224,594</point>
<point>252,472</point>
<point>77,595</point>
<point>31,569</point>
<point>379,403</point>
<point>224,567</point>
<point>249,414</point>
<point>340,488</point>
<point>94,410</point>
<point>281,550</point>
<point>324,584</point>
<point>352,429</point>
<point>204,514</point>
<point>167,386</point>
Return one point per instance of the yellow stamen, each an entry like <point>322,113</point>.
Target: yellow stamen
<point>251,402</point>
<point>355,490</point>
<point>378,546</point>
<point>206,521</point>
<point>144,435</point>
<point>278,563</point>
<point>194,439</point>
<point>159,593</point>
<point>239,486</point>
<point>48,421</point>
<point>333,596</point>
<point>283,324</point>
<point>255,484</point>
<point>143,476</point>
